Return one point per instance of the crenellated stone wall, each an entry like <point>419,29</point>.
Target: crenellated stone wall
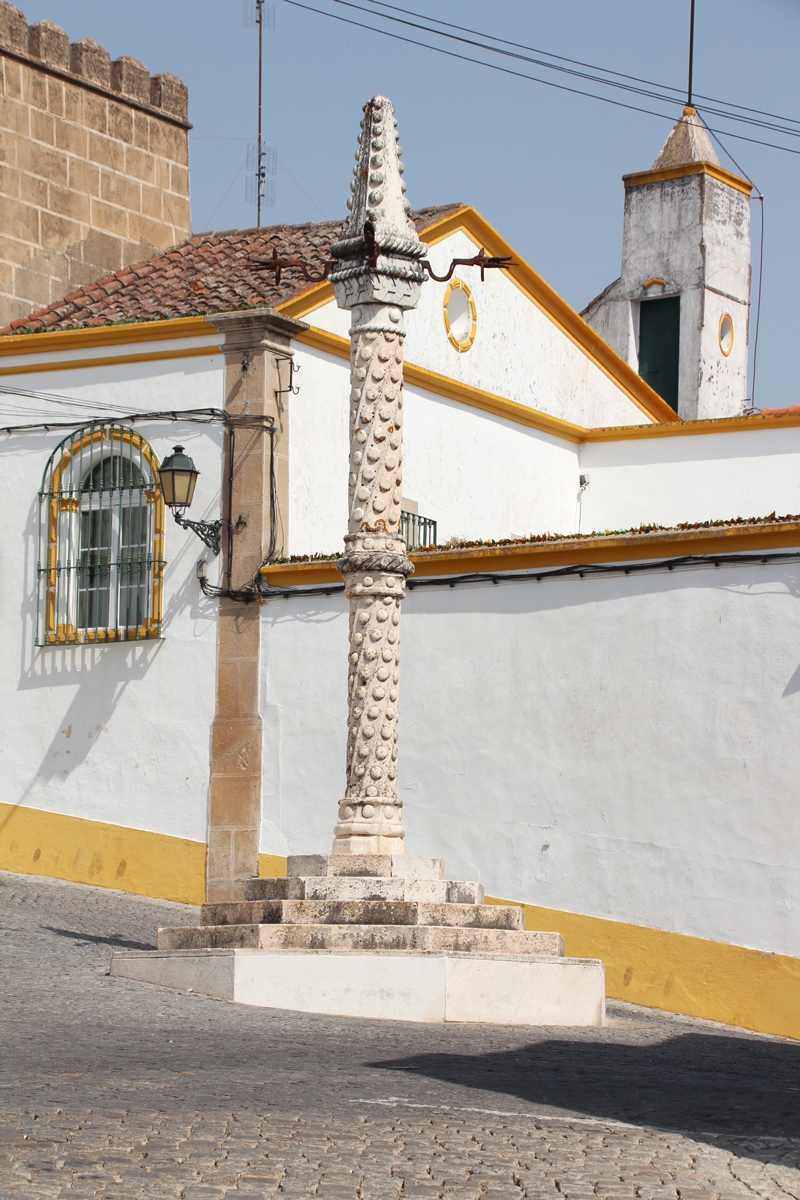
<point>94,163</point>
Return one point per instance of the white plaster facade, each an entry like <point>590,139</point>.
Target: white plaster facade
<point>620,747</point>
<point>116,733</point>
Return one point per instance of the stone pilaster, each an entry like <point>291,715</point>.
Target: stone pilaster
<point>378,277</point>
<point>256,345</point>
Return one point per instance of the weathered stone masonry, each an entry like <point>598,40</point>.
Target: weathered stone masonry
<point>94,163</point>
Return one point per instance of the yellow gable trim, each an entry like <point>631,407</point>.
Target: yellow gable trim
<point>467,220</point>
<point>443,385</point>
<point>533,418</point>
<point>105,335</point>
<point>641,178</point>
<point>628,433</point>
<point>532,556</point>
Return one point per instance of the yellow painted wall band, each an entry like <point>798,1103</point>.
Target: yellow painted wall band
<point>682,974</point>
<point>73,364</point>
<point>35,842</point>
<point>106,335</point>
<point>637,547</point>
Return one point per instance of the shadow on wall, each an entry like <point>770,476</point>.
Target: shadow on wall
<point>701,1084</point>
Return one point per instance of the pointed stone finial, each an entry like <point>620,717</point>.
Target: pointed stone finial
<point>378,190</point>
<point>688,143</point>
<point>378,240</point>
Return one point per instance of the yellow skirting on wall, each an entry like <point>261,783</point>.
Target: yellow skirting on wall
<point>34,842</point>
<point>682,974</point>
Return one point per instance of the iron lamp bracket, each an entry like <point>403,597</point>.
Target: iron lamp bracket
<point>208,531</point>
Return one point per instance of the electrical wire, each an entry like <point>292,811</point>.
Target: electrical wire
<point>517,74</point>
<point>678,93</point>
<point>627,87</point>
<point>576,571</point>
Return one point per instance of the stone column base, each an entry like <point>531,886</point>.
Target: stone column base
<point>396,986</point>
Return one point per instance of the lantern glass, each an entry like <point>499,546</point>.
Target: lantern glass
<point>178,476</point>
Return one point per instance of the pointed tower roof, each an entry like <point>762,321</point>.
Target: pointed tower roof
<point>687,151</point>
<point>687,143</point>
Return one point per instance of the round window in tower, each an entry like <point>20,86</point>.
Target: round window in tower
<point>460,318</point>
<point>726,334</point>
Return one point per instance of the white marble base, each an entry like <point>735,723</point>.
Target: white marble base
<point>398,986</point>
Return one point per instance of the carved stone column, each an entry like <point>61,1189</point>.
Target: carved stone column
<point>255,344</point>
<point>378,277</point>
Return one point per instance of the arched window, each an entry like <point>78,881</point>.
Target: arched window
<point>101,540</point>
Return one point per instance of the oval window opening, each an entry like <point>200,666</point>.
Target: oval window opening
<point>726,335</point>
<point>459,315</point>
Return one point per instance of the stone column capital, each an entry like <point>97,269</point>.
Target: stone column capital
<point>256,329</point>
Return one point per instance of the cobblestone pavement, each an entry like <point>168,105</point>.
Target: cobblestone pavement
<point>111,1088</point>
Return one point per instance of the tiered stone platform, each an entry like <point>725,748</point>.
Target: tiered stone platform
<point>378,936</point>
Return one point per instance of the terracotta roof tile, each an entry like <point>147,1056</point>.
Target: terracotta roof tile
<point>211,272</point>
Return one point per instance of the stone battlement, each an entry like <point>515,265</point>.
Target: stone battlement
<point>94,163</point>
<point>47,46</point>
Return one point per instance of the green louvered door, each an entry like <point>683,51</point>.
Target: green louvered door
<point>659,346</point>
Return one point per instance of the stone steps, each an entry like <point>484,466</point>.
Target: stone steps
<point>422,938</point>
<point>389,866</point>
<point>360,887</point>
<point>361,912</point>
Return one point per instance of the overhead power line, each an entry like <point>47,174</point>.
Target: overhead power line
<point>664,87</point>
<point>519,74</point>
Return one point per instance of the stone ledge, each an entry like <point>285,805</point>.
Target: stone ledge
<point>490,989</point>
<point>375,865</point>
<point>347,887</point>
<point>420,938</point>
<point>361,912</point>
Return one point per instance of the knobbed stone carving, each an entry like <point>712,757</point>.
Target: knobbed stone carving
<point>377,277</point>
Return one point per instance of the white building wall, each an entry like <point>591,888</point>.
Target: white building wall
<point>623,747</point>
<point>713,476</point>
<point>477,475</point>
<point>518,352</point>
<point>116,733</point>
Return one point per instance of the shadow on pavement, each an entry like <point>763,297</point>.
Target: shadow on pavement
<point>115,939</point>
<point>696,1083</point>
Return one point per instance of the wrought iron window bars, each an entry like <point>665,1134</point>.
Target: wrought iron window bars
<point>101,540</point>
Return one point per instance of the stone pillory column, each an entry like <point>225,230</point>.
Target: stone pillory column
<point>377,276</point>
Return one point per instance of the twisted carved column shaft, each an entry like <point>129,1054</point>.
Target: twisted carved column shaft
<point>378,276</point>
<point>375,566</point>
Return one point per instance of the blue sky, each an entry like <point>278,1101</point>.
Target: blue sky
<point>542,165</point>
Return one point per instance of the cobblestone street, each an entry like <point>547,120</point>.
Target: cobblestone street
<point>111,1088</point>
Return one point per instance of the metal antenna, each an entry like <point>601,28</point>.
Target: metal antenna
<point>262,161</point>
<point>691,59</point>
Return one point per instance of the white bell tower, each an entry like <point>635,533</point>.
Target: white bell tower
<point>679,311</point>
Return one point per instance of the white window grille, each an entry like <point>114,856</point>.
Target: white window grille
<point>101,540</point>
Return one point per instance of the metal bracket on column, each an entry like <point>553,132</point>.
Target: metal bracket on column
<point>208,531</point>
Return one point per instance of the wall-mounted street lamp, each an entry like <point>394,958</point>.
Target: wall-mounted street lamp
<point>178,476</point>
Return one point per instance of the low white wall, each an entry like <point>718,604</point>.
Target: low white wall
<point>117,733</point>
<point>622,747</point>
<point>713,476</point>
<point>477,475</point>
